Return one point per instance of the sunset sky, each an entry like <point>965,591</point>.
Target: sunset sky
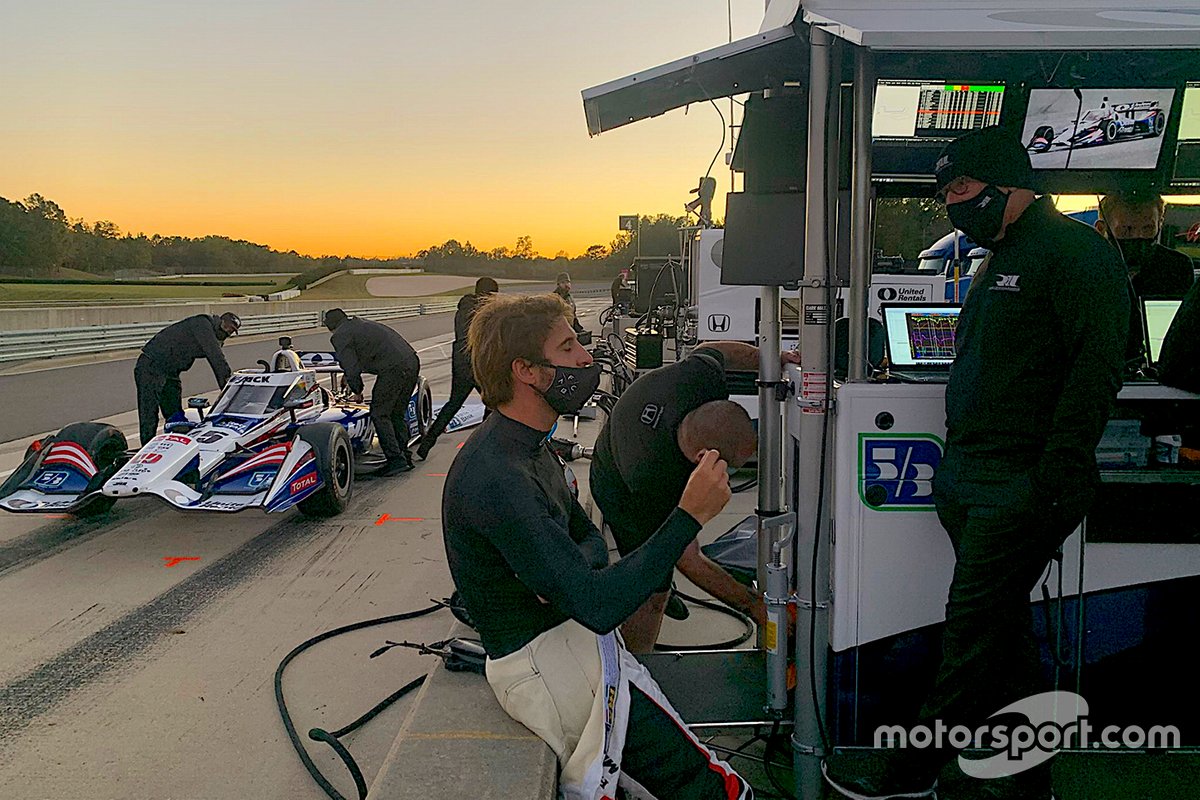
<point>359,127</point>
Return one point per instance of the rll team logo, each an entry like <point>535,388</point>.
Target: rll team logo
<point>1006,283</point>
<point>896,471</point>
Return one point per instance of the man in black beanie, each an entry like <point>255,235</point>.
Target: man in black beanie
<point>364,345</point>
<point>462,378</point>
<point>1040,349</point>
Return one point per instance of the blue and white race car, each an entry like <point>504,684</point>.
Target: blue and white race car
<point>1102,125</point>
<point>274,438</point>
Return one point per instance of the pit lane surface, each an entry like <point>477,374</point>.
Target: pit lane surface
<point>123,675</point>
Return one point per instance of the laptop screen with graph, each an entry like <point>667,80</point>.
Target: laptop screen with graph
<point>920,336</point>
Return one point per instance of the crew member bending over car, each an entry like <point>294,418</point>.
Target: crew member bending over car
<point>364,345</point>
<point>462,381</point>
<point>533,571</point>
<point>171,352</point>
<point>647,449</point>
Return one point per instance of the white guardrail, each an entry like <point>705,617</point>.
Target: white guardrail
<point>51,343</point>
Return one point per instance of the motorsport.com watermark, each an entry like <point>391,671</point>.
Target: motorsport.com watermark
<point>1054,721</point>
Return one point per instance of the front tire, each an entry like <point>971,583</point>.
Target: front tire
<point>335,466</point>
<point>106,445</point>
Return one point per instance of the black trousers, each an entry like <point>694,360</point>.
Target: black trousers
<point>462,383</point>
<point>156,392</point>
<point>389,402</point>
<point>660,757</point>
<point>1004,531</point>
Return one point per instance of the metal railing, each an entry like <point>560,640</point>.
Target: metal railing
<point>56,342</point>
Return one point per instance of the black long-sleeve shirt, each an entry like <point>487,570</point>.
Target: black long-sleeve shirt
<point>523,553</point>
<point>364,345</point>
<point>462,322</point>
<point>176,347</point>
<point>1040,347</point>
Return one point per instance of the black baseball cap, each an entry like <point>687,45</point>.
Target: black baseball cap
<point>232,320</point>
<point>991,155</point>
<point>333,317</point>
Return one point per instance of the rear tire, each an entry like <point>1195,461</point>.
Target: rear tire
<point>425,409</point>
<point>1157,125</point>
<point>335,465</point>
<point>1110,132</point>
<point>106,445</point>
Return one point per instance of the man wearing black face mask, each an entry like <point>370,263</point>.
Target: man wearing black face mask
<point>1040,349</point>
<point>171,352</point>
<point>533,571</point>
<point>1132,222</point>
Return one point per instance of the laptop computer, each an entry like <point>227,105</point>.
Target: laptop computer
<point>920,340</point>
<point>1157,316</point>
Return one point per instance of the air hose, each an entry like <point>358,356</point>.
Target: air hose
<point>331,739</point>
<point>712,606</point>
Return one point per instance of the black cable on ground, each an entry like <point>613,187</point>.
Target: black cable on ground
<point>331,738</point>
<point>723,609</point>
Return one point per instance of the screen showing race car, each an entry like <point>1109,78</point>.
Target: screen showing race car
<point>1096,128</point>
<point>933,109</point>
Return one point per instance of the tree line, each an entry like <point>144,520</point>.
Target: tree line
<point>38,239</point>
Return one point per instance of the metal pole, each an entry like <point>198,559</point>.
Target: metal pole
<point>812,617</point>
<point>861,216</point>
<point>770,479</point>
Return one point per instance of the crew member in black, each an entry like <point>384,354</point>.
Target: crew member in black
<point>1040,344</point>
<point>644,454</point>
<point>1179,360</point>
<point>533,571</point>
<point>462,380</point>
<point>170,353</point>
<point>364,345</point>
<point>1132,222</point>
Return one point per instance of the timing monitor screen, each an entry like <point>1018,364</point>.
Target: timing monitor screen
<point>1097,129</point>
<point>922,110</point>
<point>920,335</point>
<point>1158,315</point>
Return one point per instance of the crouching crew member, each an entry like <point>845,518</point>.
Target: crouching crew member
<point>171,352</point>
<point>645,453</point>
<point>364,345</point>
<point>533,571</point>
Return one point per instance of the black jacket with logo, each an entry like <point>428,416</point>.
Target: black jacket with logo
<point>1040,349</point>
<point>364,345</point>
<point>176,347</point>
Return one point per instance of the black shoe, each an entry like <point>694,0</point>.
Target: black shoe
<point>395,467</point>
<point>875,775</point>
<point>675,608</point>
<point>423,448</point>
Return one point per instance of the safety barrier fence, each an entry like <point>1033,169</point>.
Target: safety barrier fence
<point>52,343</point>
<point>27,345</point>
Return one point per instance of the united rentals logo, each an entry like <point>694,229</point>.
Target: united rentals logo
<point>718,323</point>
<point>896,470</point>
<point>1007,283</point>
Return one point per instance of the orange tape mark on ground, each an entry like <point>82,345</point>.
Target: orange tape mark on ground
<point>389,518</point>
<point>173,560</point>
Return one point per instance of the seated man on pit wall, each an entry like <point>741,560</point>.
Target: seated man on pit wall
<point>533,571</point>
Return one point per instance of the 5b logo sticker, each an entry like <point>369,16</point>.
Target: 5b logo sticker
<point>895,471</point>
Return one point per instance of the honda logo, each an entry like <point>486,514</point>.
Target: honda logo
<point>718,323</point>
